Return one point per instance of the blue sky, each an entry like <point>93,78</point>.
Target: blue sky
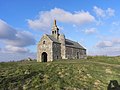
<point>92,23</point>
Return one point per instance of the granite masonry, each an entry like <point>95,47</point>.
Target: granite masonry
<point>57,47</point>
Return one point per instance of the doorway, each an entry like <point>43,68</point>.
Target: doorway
<point>44,57</point>
<point>77,55</point>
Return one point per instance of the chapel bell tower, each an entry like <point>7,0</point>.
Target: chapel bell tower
<point>55,30</point>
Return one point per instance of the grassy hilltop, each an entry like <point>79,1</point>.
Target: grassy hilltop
<point>93,73</point>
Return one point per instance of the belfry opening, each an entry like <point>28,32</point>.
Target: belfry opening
<point>44,57</point>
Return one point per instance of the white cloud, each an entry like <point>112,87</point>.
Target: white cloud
<point>10,36</point>
<point>108,47</point>
<point>100,12</point>
<point>110,51</point>
<point>109,43</point>
<point>43,22</point>
<point>110,12</point>
<point>14,49</point>
<point>14,41</point>
<point>113,51</point>
<point>103,13</point>
<point>90,31</point>
<point>103,44</point>
<point>116,41</point>
<point>22,39</point>
<point>6,32</point>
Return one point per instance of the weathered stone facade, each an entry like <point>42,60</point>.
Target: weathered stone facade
<point>75,53</point>
<point>44,46</point>
<point>56,46</point>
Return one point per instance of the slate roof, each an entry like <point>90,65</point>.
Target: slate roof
<point>68,42</point>
<point>53,39</point>
<point>74,44</point>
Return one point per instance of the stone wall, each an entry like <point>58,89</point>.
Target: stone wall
<point>63,48</point>
<point>45,45</point>
<point>75,53</point>
<point>56,51</point>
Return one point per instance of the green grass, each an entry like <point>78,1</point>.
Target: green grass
<point>93,73</point>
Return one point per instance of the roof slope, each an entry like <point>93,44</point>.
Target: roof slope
<point>68,42</point>
<point>52,38</point>
<point>74,44</point>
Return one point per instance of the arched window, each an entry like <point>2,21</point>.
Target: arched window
<point>55,32</point>
<point>43,42</point>
<point>52,32</point>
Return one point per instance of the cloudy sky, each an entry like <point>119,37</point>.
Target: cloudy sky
<point>95,24</point>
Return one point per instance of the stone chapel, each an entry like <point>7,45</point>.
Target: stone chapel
<point>57,47</point>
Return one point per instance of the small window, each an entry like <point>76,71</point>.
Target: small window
<point>52,32</point>
<point>43,42</point>
<point>55,32</point>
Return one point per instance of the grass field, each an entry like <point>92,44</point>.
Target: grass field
<point>93,73</point>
